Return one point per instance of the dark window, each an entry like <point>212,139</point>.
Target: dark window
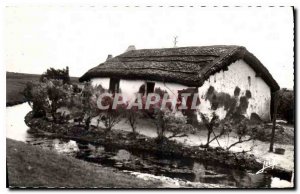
<point>114,85</point>
<point>249,80</point>
<point>150,87</point>
<point>142,89</point>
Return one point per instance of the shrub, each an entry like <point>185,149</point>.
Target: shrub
<point>240,128</point>
<point>46,97</point>
<point>176,123</point>
<point>110,117</point>
<point>84,105</point>
<point>167,118</point>
<point>132,116</point>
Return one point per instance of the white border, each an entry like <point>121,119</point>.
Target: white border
<point>116,3</point>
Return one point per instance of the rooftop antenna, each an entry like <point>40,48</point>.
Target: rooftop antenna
<point>175,41</point>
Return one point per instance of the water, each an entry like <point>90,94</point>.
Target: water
<point>184,169</point>
<point>15,127</point>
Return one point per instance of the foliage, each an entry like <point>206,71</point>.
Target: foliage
<point>46,97</point>
<point>110,116</point>
<point>176,123</point>
<point>83,105</point>
<point>210,126</point>
<point>166,118</point>
<point>56,74</point>
<point>132,114</point>
<point>286,105</point>
<point>241,129</point>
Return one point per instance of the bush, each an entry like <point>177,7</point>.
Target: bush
<point>132,116</point>
<point>176,123</point>
<point>46,97</point>
<point>83,105</point>
<point>167,118</point>
<point>110,117</point>
<point>241,129</point>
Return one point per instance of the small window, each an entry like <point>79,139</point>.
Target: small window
<point>249,80</point>
<point>114,85</point>
<point>150,87</point>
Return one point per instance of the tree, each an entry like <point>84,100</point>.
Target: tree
<point>211,125</point>
<point>56,74</point>
<point>286,105</point>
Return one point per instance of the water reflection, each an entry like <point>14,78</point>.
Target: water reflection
<point>186,169</point>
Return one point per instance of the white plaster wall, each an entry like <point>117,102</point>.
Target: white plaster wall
<point>130,88</point>
<point>104,82</point>
<point>226,81</point>
<point>171,88</point>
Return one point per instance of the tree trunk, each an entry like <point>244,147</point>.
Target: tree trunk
<point>208,138</point>
<point>87,123</point>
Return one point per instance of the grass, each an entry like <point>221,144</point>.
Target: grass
<point>15,84</point>
<point>32,166</point>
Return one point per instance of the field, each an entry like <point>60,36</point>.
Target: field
<point>15,84</point>
<point>31,166</point>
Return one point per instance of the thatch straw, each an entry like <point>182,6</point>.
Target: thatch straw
<point>189,66</point>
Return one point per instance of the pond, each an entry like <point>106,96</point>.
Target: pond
<point>177,168</point>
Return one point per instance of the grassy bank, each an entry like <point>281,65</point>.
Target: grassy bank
<point>15,84</point>
<point>31,166</point>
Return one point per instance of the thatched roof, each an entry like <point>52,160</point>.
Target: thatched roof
<point>189,66</point>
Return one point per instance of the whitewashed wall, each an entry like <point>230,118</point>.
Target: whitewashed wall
<point>237,75</point>
<point>224,81</point>
<point>171,88</point>
<point>104,82</point>
<point>131,87</point>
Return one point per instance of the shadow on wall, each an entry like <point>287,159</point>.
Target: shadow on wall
<point>234,105</point>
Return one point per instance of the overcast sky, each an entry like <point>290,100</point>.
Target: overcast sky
<point>37,38</point>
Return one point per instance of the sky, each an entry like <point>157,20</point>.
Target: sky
<point>81,37</point>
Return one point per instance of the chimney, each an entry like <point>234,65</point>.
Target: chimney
<point>109,57</point>
<point>131,48</point>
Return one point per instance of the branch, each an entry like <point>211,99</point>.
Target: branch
<point>216,136</point>
<point>239,141</point>
<point>177,135</point>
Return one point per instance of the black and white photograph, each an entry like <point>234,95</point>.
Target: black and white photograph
<point>149,97</point>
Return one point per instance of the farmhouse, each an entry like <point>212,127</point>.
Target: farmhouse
<point>227,78</point>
